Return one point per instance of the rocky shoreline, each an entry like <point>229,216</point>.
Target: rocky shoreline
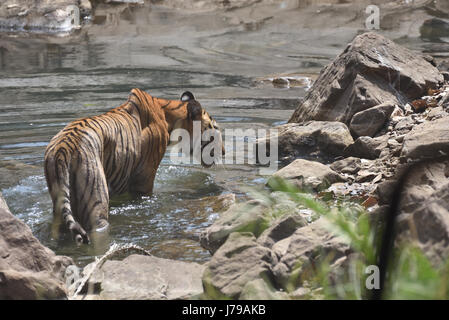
<point>371,114</point>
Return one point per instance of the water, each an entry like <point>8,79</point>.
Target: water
<point>46,82</point>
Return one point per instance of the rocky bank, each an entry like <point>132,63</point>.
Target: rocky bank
<point>374,110</point>
<point>28,270</point>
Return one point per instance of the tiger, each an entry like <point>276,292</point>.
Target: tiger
<point>119,151</point>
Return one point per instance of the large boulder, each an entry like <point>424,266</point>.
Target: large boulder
<point>140,277</point>
<point>239,261</point>
<point>28,270</point>
<point>309,174</point>
<point>372,70</point>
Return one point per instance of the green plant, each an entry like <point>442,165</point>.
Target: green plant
<point>411,275</point>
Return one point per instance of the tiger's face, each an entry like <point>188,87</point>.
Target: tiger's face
<point>212,148</point>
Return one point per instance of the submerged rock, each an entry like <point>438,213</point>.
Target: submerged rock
<point>28,270</point>
<point>372,70</point>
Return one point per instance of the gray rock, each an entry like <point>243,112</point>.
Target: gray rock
<point>237,262</point>
<point>431,221</point>
<point>368,122</point>
<point>372,70</point>
<point>305,247</point>
<point>28,270</point>
<point>140,277</point>
<point>250,216</point>
<point>313,139</point>
<point>309,174</point>
<point>367,147</point>
<point>280,229</point>
<point>428,139</point>
<point>350,165</point>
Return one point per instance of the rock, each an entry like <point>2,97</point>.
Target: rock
<point>280,229</point>
<point>422,182</point>
<point>404,124</point>
<point>139,277</point>
<point>237,262</point>
<point>428,140</point>
<point>437,113</point>
<point>431,221</point>
<point>259,289</point>
<point>384,191</point>
<point>306,246</point>
<point>41,15</point>
<point>250,216</point>
<point>348,165</point>
<point>434,29</point>
<point>28,270</point>
<point>368,122</point>
<point>28,285</point>
<point>367,147</point>
<point>309,174</point>
<point>314,139</point>
<point>372,70</point>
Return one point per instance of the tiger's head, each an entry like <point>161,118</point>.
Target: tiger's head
<point>204,132</point>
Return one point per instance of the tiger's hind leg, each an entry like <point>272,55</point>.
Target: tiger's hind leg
<point>89,193</point>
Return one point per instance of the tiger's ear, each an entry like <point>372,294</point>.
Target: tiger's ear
<point>187,96</point>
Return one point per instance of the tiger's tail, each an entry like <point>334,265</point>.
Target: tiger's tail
<point>57,174</point>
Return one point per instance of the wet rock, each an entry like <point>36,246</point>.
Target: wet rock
<point>250,216</point>
<point>348,165</point>
<point>372,70</point>
<point>41,15</point>
<point>312,139</point>
<point>28,270</point>
<point>237,262</point>
<point>367,147</point>
<point>305,247</point>
<point>368,122</point>
<point>139,277</point>
<point>280,229</point>
<point>428,139</point>
<point>309,174</point>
